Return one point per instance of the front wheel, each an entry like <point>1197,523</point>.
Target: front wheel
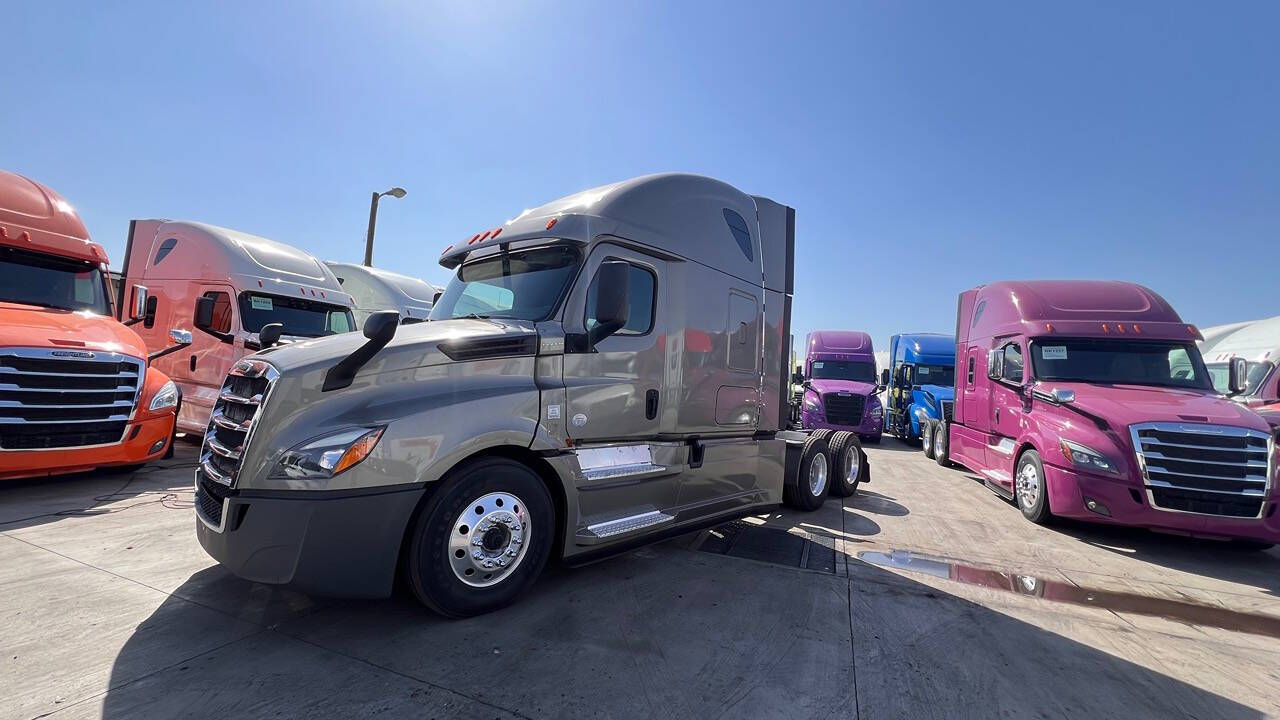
<point>482,538</point>
<point>1030,488</point>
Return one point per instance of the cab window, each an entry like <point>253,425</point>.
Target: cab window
<point>1012,368</point>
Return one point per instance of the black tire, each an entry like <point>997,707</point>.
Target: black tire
<point>823,433</point>
<point>429,568</point>
<point>926,440</point>
<point>1037,510</point>
<point>846,447</point>
<point>941,439</point>
<point>803,495</point>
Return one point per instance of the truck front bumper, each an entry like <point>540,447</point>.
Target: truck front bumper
<point>1128,504</point>
<point>871,425</point>
<point>338,544</point>
<point>143,440</point>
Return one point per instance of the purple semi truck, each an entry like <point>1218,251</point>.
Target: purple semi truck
<point>1090,400</point>
<point>840,391</point>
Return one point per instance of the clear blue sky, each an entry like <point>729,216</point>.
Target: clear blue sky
<point>926,147</point>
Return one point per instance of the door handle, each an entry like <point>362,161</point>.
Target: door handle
<point>997,414</point>
<point>193,363</point>
<point>650,404</point>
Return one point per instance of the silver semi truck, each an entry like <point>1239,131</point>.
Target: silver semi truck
<point>603,371</point>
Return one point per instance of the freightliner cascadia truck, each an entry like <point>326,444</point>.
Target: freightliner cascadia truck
<point>601,372</point>
<point>839,381</point>
<point>76,392</point>
<point>920,381</point>
<point>1090,400</point>
<point>1258,343</point>
<point>230,286</point>
<point>373,289</point>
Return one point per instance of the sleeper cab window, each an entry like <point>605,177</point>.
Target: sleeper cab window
<point>221,311</point>
<point>1012,363</point>
<point>163,251</point>
<point>643,292</point>
<point>741,233</point>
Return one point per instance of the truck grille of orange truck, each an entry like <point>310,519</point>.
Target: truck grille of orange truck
<point>61,398</point>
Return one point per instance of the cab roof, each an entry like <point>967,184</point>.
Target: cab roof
<point>34,217</point>
<point>1075,308</point>
<point>678,214</point>
<point>1257,341</point>
<point>934,348</point>
<point>392,284</point>
<point>853,342</point>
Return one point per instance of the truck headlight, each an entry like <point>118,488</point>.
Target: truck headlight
<point>875,409</point>
<point>811,403</point>
<point>166,398</point>
<point>1086,458</point>
<point>327,455</point>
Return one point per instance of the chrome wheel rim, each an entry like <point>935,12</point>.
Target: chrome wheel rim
<point>853,465</point>
<point>939,442</point>
<point>489,539</point>
<point>1028,485</point>
<point>818,474</point>
<point>927,442</point>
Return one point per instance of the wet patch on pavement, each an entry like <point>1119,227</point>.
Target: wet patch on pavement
<point>743,540</point>
<point>1189,613</point>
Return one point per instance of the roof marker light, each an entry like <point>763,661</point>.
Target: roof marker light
<point>552,223</point>
<point>446,250</point>
<point>496,233</point>
<point>259,283</point>
<point>485,235</point>
<point>1120,328</point>
<point>1137,330</point>
<point>1105,328</point>
<point>1048,327</point>
<point>473,239</point>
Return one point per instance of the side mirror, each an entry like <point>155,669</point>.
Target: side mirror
<point>884,377</point>
<point>180,338</point>
<point>139,309</point>
<point>1237,375</point>
<point>994,365</point>
<point>269,335</point>
<point>379,327</point>
<point>436,298</point>
<point>612,300</point>
<point>797,378</point>
<point>203,319</point>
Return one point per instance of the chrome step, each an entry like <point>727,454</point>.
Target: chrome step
<point>629,524</point>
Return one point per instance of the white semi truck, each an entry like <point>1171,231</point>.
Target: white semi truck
<point>1258,342</point>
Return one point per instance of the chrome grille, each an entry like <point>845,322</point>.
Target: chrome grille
<point>844,408</point>
<point>1205,469</point>
<point>59,398</point>
<point>230,428</point>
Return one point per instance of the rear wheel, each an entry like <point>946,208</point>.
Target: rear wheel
<point>1030,488</point>
<point>926,440</point>
<point>813,481</point>
<point>941,453</point>
<point>850,464</point>
<point>482,538</point>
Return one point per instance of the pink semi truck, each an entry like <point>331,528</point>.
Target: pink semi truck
<point>840,391</point>
<point>1089,400</point>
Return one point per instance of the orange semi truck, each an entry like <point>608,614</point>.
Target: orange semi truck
<point>76,389</point>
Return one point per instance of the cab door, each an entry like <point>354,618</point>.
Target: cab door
<point>201,369</point>
<point>1006,408</point>
<point>614,391</point>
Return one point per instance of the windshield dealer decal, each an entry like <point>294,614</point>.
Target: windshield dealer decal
<point>260,303</point>
<point>1054,352</point>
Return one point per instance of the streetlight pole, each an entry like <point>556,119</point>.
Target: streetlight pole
<point>395,192</point>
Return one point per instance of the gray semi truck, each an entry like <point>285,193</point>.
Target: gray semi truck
<point>602,372</point>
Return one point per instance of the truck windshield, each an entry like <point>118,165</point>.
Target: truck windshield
<point>843,370</point>
<point>1258,372</point>
<point>522,285</point>
<point>1125,362</point>
<point>303,318</point>
<point>52,282</point>
<point>934,375</point>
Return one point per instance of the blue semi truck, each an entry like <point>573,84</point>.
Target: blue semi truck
<point>920,388</point>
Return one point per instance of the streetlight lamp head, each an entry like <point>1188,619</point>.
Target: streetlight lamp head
<point>395,192</point>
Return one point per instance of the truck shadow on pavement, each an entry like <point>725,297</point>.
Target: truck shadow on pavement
<point>661,631</point>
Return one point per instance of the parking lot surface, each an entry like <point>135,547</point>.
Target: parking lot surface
<point>922,596</point>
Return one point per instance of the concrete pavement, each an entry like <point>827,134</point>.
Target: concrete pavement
<point>109,608</point>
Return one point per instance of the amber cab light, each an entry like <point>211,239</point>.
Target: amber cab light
<point>552,223</point>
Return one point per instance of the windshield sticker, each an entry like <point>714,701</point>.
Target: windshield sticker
<point>922,370</point>
<point>817,366</point>
<point>1054,352</point>
<point>260,303</point>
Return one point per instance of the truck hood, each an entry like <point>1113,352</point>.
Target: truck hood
<point>414,346</point>
<point>29,326</point>
<point>941,393</point>
<point>1123,405</point>
<point>853,387</point>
